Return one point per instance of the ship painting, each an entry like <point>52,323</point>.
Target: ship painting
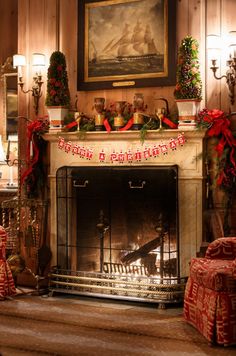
<point>132,53</point>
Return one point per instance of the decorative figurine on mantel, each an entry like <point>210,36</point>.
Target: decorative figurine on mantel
<point>99,104</point>
<point>138,114</point>
<point>119,119</point>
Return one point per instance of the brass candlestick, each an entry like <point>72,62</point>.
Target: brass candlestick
<point>99,104</point>
<point>139,107</point>
<point>119,119</point>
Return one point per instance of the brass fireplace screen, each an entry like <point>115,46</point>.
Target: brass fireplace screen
<point>117,233</point>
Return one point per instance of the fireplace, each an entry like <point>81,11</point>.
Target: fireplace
<point>125,229</point>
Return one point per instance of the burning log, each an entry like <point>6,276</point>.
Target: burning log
<point>143,250</point>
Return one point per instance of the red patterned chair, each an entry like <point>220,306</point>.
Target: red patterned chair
<point>210,295</point>
<point>7,286</point>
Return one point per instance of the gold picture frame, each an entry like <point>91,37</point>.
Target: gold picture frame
<point>126,43</point>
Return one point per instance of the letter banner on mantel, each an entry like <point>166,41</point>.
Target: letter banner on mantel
<point>137,154</point>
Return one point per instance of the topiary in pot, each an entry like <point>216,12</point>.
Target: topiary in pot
<point>58,95</point>
<point>188,89</point>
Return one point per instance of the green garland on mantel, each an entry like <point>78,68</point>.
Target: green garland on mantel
<point>188,80</point>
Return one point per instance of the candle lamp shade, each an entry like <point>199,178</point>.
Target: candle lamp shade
<point>19,60</point>
<point>38,59</point>
<point>214,45</point>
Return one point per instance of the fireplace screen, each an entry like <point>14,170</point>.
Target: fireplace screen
<point>118,232</point>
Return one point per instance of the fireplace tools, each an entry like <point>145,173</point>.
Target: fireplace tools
<point>102,227</point>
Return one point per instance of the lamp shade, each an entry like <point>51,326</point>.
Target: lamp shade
<point>2,154</point>
<point>38,59</point>
<point>232,43</point>
<point>19,60</point>
<point>213,42</point>
<point>213,46</point>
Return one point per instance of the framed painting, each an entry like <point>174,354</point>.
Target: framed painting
<point>126,43</point>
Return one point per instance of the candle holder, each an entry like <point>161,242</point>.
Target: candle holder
<point>99,104</point>
<point>138,115</point>
<point>119,119</point>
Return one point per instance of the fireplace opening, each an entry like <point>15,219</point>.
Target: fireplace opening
<point>117,233</point>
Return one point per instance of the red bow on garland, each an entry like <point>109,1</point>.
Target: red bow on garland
<point>217,123</point>
<point>34,129</point>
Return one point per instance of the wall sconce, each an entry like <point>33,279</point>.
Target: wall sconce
<point>5,159</point>
<point>38,61</point>
<point>214,47</point>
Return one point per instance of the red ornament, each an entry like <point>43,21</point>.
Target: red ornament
<point>68,146</point>
<point>138,155</point>
<point>155,151</point>
<point>129,156</point>
<point>75,149</point>
<point>102,156</point>
<point>181,139</point>
<point>61,143</point>
<point>147,153</point>
<point>82,152</point>
<point>89,153</point>
<point>164,148</point>
<point>121,157</point>
<point>114,157</point>
<point>173,144</point>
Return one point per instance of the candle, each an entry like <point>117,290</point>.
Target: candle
<point>10,176</point>
<point>31,149</point>
<point>19,72</point>
<point>8,149</point>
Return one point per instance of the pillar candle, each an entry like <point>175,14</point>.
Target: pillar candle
<point>8,149</point>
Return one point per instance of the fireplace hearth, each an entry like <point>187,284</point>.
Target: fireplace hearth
<point>118,225</point>
<point>125,229</point>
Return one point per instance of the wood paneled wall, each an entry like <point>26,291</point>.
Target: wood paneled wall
<point>8,29</point>
<point>45,26</point>
<point>56,28</point>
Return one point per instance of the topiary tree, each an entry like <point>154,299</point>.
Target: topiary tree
<point>188,83</point>
<point>57,81</point>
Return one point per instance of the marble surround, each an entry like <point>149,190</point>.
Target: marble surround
<point>188,158</point>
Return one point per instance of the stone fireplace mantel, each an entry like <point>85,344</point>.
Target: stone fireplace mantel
<point>188,158</point>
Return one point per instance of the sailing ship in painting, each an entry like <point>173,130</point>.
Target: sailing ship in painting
<point>135,49</point>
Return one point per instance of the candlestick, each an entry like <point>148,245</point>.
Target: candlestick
<point>19,72</point>
<point>8,149</point>
<point>31,149</point>
<point>10,183</point>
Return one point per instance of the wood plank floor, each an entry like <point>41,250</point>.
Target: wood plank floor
<point>69,325</point>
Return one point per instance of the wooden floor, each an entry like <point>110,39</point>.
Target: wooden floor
<point>69,325</point>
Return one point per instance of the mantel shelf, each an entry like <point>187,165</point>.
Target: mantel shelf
<point>122,135</point>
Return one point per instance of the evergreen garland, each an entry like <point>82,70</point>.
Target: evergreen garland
<point>189,85</point>
<point>57,81</point>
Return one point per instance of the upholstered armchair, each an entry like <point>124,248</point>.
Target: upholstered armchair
<point>7,286</point>
<point>210,295</point>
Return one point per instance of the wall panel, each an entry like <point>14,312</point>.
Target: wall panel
<point>8,29</point>
<point>56,28</point>
<point>42,35</point>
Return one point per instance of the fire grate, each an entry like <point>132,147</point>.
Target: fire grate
<point>116,236</point>
<point>119,286</point>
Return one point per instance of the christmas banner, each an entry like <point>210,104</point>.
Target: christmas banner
<point>122,156</point>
